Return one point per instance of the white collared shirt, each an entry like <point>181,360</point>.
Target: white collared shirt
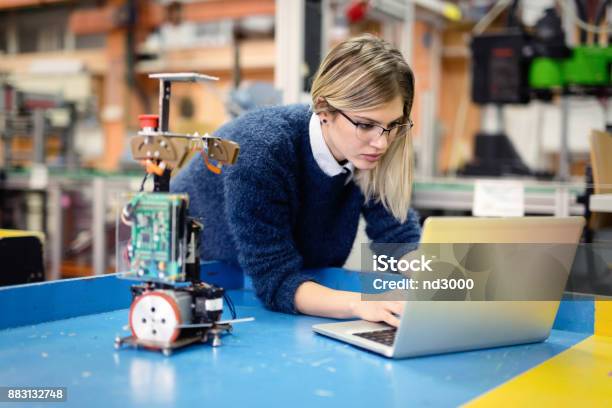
<point>322,155</point>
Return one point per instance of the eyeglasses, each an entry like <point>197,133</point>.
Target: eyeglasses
<point>368,132</point>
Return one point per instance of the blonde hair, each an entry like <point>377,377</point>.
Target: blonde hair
<point>364,73</point>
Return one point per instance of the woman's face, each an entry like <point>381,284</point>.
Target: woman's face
<point>341,135</point>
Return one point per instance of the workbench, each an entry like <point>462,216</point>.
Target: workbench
<point>61,334</point>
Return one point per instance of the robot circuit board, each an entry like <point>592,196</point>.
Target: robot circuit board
<point>157,243</point>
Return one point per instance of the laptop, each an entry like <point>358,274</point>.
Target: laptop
<point>435,327</point>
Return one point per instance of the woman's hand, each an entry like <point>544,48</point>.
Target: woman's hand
<point>317,300</point>
<point>379,311</point>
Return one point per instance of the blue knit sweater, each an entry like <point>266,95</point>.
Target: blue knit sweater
<point>275,213</point>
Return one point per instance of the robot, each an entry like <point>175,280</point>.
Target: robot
<point>171,307</point>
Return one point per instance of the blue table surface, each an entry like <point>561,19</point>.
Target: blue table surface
<point>276,360</point>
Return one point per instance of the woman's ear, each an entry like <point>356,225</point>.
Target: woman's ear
<point>322,106</point>
<point>320,103</point>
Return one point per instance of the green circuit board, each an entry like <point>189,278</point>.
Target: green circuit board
<point>157,236</point>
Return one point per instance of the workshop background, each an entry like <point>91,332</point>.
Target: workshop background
<point>511,91</point>
<point>512,118</point>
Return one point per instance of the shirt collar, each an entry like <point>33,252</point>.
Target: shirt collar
<point>322,155</point>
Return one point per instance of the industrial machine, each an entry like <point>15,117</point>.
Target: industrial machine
<point>519,64</point>
<point>171,306</point>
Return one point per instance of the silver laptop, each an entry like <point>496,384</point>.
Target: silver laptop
<point>433,327</point>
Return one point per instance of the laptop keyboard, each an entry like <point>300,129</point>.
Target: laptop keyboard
<point>385,336</point>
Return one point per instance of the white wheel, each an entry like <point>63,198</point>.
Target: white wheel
<point>155,316</point>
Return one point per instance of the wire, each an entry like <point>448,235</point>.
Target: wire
<point>128,209</point>
<point>125,213</point>
<point>143,182</point>
<point>230,305</point>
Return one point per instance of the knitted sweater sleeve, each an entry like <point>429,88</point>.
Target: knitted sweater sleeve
<point>383,229</point>
<point>257,197</point>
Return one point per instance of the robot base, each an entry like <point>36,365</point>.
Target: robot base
<point>202,336</point>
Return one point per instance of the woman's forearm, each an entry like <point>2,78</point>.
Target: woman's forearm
<point>317,300</point>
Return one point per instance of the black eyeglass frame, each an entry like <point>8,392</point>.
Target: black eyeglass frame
<point>410,124</point>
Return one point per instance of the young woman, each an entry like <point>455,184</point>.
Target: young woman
<point>305,174</point>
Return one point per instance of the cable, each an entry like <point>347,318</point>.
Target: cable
<point>230,305</point>
<point>143,182</point>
